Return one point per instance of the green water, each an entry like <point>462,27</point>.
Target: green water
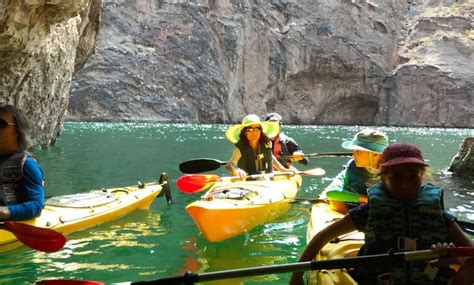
<point>163,241</point>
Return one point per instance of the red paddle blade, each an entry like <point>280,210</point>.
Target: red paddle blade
<point>68,282</point>
<point>193,183</point>
<point>41,239</point>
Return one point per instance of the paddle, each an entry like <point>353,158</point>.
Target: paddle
<point>68,282</point>
<point>194,183</point>
<point>191,278</point>
<point>322,154</point>
<point>41,239</point>
<point>346,196</point>
<point>348,262</point>
<point>199,165</point>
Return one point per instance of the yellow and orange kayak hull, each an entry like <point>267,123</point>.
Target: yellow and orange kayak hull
<point>231,208</point>
<point>70,213</point>
<point>346,246</point>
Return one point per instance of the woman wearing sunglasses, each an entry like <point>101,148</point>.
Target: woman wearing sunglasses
<point>253,148</point>
<point>21,177</point>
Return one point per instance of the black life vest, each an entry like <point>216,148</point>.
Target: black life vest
<point>255,163</point>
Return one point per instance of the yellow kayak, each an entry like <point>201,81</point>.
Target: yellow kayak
<point>345,246</point>
<point>70,213</point>
<point>231,208</point>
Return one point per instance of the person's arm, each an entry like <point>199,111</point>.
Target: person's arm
<point>319,240</point>
<point>232,167</point>
<point>457,236</point>
<point>33,202</point>
<point>296,151</point>
<point>339,183</point>
<point>278,166</point>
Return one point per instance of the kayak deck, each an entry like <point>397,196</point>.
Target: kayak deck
<point>232,208</point>
<point>345,246</point>
<point>70,213</point>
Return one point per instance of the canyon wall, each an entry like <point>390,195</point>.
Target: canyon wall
<point>360,62</point>
<point>41,43</point>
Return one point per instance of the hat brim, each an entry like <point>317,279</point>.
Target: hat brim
<point>404,160</point>
<point>270,129</point>
<point>373,148</point>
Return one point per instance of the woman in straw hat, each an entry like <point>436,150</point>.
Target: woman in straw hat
<point>253,148</point>
<point>367,146</point>
<point>403,214</point>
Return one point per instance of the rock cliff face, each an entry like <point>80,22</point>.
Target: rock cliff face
<point>314,62</point>
<point>40,44</point>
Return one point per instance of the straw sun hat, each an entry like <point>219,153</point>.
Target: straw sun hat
<point>368,140</point>
<point>271,129</point>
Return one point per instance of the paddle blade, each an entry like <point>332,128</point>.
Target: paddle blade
<point>194,183</point>
<point>200,165</point>
<point>68,282</point>
<point>314,172</point>
<point>346,196</point>
<point>41,239</point>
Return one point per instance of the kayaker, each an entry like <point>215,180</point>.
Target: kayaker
<point>253,148</point>
<point>21,177</point>
<point>283,145</point>
<point>367,146</point>
<point>403,214</point>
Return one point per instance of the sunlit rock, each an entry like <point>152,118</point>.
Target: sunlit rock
<point>41,42</point>
<point>463,162</point>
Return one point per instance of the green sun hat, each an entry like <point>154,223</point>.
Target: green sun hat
<point>271,129</point>
<point>368,140</point>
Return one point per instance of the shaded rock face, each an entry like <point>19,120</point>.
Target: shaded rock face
<point>463,162</point>
<point>314,62</point>
<point>39,41</point>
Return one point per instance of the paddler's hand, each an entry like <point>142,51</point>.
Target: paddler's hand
<point>298,155</point>
<point>241,173</point>
<point>4,213</point>
<point>444,261</point>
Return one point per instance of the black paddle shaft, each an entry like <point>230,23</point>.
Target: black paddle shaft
<point>191,278</point>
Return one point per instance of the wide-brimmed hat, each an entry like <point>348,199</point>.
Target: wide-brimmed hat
<point>401,153</point>
<point>271,129</point>
<point>368,140</point>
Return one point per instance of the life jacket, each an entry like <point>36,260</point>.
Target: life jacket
<point>255,163</point>
<point>280,149</point>
<point>11,173</point>
<point>356,178</point>
<point>395,225</point>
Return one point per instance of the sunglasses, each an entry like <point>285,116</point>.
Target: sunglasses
<point>256,129</point>
<point>4,124</point>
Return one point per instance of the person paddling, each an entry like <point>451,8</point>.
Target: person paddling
<point>21,177</point>
<point>403,213</point>
<point>253,148</point>
<point>283,145</point>
<point>367,146</point>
